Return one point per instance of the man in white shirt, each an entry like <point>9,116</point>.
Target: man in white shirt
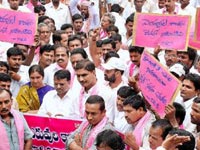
<point>59,12</point>
<point>17,72</point>
<point>86,75</point>
<point>62,62</point>
<point>58,102</point>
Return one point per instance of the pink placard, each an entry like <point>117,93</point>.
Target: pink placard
<point>50,133</point>
<point>197,26</point>
<point>158,86</point>
<point>168,31</point>
<point>17,27</point>
<point>194,43</point>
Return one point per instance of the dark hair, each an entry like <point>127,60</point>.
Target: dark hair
<point>110,54</point>
<point>66,26</point>
<point>126,91</point>
<point>82,34</point>
<point>99,43</point>
<point>130,18</point>
<point>116,37</point>
<point>112,28</point>
<point>62,74</point>
<point>194,78</point>
<point>76,17</point>
<point>74,37</point>
<point>109,41</point>
<point>116,8</point>
<point>135,102</point>
<point>42,18</point>
<point>60,46</point>
<point>164,124</point>
<point>189,145</point>
<point>46,48</point>
<point>4,64</point>
<point>15,44</point>
<point>5,77</point>
<point>196,100</point>
<point>85,64</point>
<point>80,51</point>
<point>14,51</point>
<point>180,112</point>
<point>57,35</point>
<point>8,91</point>
<point>96,99</point>
<point>110,138</point>
<point>136,49</point>
<point>39,8</point>
<point>36,68</point>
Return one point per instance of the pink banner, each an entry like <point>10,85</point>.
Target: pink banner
<point>194,43</point>
<point>50,133</point>
<point>157,85</point>
<point>168,31</point>
<point>17,27</point>
<point>197,27</point>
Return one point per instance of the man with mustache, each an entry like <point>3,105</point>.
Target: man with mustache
<point>61,62</point>
<point>15,133</point>
<point>17,71</point>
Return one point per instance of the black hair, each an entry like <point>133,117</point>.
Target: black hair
<point>14,51</point>
<point>46,48</point>
<point>194,78</point>
<point>80,51</point>
<point>110,54</point>
<point>130,18</point>
<point>136,49</point>
<point>62,74</point>
<point>66,26</point>
<point>96,99</point>
<point>4,64</point>
<point>180,112</point>
<point>85,64</point>
<point>76,17</point>
<point>5,77</point>
<point>74,37</point>
<point>126,91</point>
<point>36,68</point>
<point>39,8</point>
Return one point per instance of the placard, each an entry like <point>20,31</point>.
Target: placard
<point>50,133</point>
<point>17,27</point>
<point>167,31</point>
<point>197,25</point>
<point>157,84</point>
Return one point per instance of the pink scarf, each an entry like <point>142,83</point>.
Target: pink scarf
<point>131,69</point>
<point>93,133</point>
<point>140,126</point>
<point>81,96</point>
<point>4,144</point>
<point>103,34</point>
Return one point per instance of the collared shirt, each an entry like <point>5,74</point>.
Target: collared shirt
<point>61,15</point>
<point>15,85</point>
<point>102,91</point>
<point>12,132</point>
<point>51,70</point>
<point>53,104</point>
<point>70,138</point>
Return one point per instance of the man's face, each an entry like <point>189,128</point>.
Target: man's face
<point>5,85</point>
<point>170,57</point>
<point>118,45</point>
<point>188,90</point>
<point>36,80</point>
<point>155,137</point>
<point>64,39</point>
<point>139,3</point>
<point>184,58</point>
<point>75,58</point>
<point>119,103</point>
<point>15,61</point>
<point>161,4</point>
<point>105,22</point>
<point>61,57</point>
<point>3,69</point>
<point>62,86</point>
<point>195,113</point>
<point>106,48</point>
<point>41,13</point>
<point>5,104</point>
<point>129,27</point>
<point>47,58</point>
<point>86,78</point>
<point>169,4</point>
<point>135,58</point>
<point>109,75</point>
<point>74,44</point>
<point>14,4</point>
<point>93,113</point>
<point>24,50</point>
<point>69,31</point>
<point>45,34</point>
<point>103,147</point>
<point>84,11</point>
<point>78,24</point>
<point>131,114</point>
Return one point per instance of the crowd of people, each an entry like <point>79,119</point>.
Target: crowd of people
<point>83,65</point>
